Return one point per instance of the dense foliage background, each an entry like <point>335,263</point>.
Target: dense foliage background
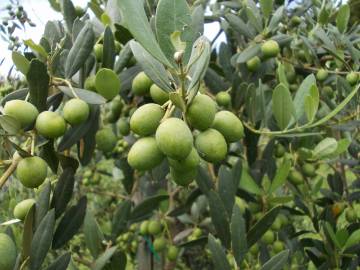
<point>278,190</point>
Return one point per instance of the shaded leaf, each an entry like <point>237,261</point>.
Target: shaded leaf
<point>109,49</point>
<point>342,18</point>
<point>93,235</point>
<point>280,176</point>
<point>217,254</point>
<point>29,228</point>
<point>238,235</point>
<point>103,259</point>
<point>60,263</point>
<point>145,208</point>
<point>9,124</point>
<point>282,105</point>
<point>277,262</point>
<point>21,63</point>
<point>120,218</point>
<point>89,97</point>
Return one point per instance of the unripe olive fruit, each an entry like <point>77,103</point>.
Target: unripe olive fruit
<point>253,63</point>
<point>144,154</point>
<point>24,112</point>
<point>141,84</point>
<point>174,138</point>
<point>254,250</point>
<point>105,140</point>
<point>276,224</point>
<point>158,95</point>
<point>183,178</point>
<point>159,244</point>
<point>144,227</point>
<point>321,75</point>
<point>201,112</point>
<point>278,246</point>
<point>268,237</point>
<point>294,87</point>
<point>211,145</point>
<point>7,252</point>
<point>107,83</point>
<point>172,253</point>
<point>98,50</point>
<point>295,21</point>
<point>90,83</point>
<point>351,215</point>
<point>22,208</point>
<point>117,46</point>
<point>352,78</point>
<point>116,106</point>
<point>223,98</point>
<point>154,227</point>
<point>31,171</point>
<point>295,177</point>
<point>50,124</point>
<point>279,150</point>
<point>190,162</point>
<point>123,126</point>
<point>270,48</point>
<point>308,169</point>
<point>76,111</point>
<point>79,11</point>
<point>229,125</point>
<point>328,91</point>
<point>146,119</point>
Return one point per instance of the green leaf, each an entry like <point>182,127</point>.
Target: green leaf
<point>104,259</point>
<point>342,18</point>
<point>93,235</point>
<point>21,63</point>
<point>266,8</point>
<point>109,49</point>
<point>28,232</point>
<point>301,93</point>
<point>48,153</point>
<point>281,74</point>
<point>145,208</point>
<point>133,14</point>
<point>239,25</point>
<point>312,103</point>
<point>325,147</point>
<point>89,97</point>
<point>276,18</point>
<point>329,230</point>
<point>60,263</point>
<point>153,68</point>
<point>70,224</point>
<point>124,58</point>
<point>248,184</point>
<point>120,218</point>
<point>217,254</point>
<point>38,80</point>
<point>226,188</point>
<point>238,235</point>
<point>280,176</point>
<point>248,53</point>
<point>282,106</point>
<point>171,16</point>
<point>69,13</point>
<point>42,203</point>
<point>277,262</point>
<point>80,51</point>
<point>342,236</point>
<point>41,241</point>
<point>353,239</point>
<point>199,61</point>
<point>219,217</point>
<point>177,100</point>
<point>63,191</point>
<point>342,146</point>
<point>9,124</point>
<point>254,20</point>
<point>260,227</point>
<point>37,49</point>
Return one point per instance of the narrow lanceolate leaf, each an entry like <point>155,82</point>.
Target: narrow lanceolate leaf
<point>283,107</point>
<point>41,241</point>
<point>325,148</point>
<point>29,226</point>
<point>104,259</point>
<point>280,176</point>
<point>238,235</point>
<point>9,124</point>
<point>48,153</point>
<point>153,68</point>
<point>120,218</point>
<point>260,227</point>
<point>80,51</point>
<point>227,189</point>
<point>277,262</point>
<point>199,61</point>
<point>266,8</point>
<point>69,13</point>
<point>219,217</point>
<point>342,18</point>
<point>20,62</point>
<point>133,14</point>
<point>171,16</point>
<point>93,235</point>
<point>60,263</point>
<point>63,191</point>
<point>70,224</point>
<point>354,239</point>
<point>38,80</point>
<point>109,49</point>
<point>239,25</point>
<point>36,48</point>
<point>89,97</point>
<point>312,103</point>
<point>145,208</point>
<point>217,254</point>
<point>42,203</point>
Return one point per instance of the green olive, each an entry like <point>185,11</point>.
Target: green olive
<point>229,125</point>
<point>211,145</point>
<point>98,50</point>
<point>76,111</point>
<point>90,83</point>
<point>270,48</point>
<point>31,171</point>
<point>268,237</point>
<point>190,162</point>
<point>172,253</point>
<point>107,83</point>
<point>50,124</point>
<point>123,126</point>
<point>322,74</point>
<point>158,95</point>
<point>105,140</point>
<point>201,112</point>
<point>141,84</point>
<point>22,111</point>
<point>154,227</point>
<point>223,99</point>
<point>295,177</point>
<point>159,244</point>
<point>146,119</point>
<point>253,64</point>
<point>352,78</point>
<point>183,178</point>
<point>7,252</point>
<point>22,208</point>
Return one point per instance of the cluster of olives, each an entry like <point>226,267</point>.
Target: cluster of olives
<point>128,242</point>
<point>269,49</point>
<point>162,136</point>
<point>154,228</point>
